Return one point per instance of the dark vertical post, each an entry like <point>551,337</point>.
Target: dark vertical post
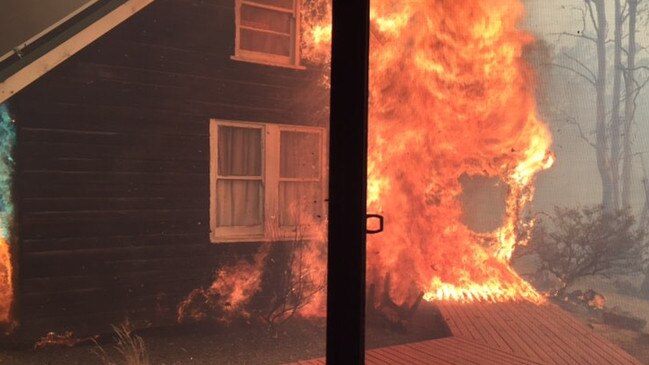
<point>347,183</point>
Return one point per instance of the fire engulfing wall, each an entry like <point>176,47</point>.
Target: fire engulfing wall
<point>7,141</point>
<point>450,96</point>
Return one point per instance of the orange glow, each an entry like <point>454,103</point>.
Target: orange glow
<point>6,284</point>
<point>316,31</point>
<point>66,339</point>
<point>450,95</point>
<point>230,292</point>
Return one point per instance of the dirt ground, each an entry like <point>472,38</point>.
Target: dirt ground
<point>299,339</point>
<point>635,343</point>
<point>618,293</point>
<point>242,344</point>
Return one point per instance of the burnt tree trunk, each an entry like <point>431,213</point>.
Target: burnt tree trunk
<point>615,108</point>
<point>603,164</point>
<point>629,107</point>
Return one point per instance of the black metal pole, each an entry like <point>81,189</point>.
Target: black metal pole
<point>347,183</point>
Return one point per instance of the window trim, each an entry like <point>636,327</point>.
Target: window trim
<point>270,149</point>
<point>292,61</point>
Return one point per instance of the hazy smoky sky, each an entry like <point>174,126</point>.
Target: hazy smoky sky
<point>574,180</point>
<point>22,19</point>
<point>546,17</point>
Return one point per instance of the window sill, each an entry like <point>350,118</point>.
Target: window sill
<point>267,63</point>
<point>260,239</point>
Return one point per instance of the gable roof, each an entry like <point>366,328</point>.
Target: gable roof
<point>62,41</point>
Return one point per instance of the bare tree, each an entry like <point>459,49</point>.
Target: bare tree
<point>633,87</point>
<point>597,11</point>
<point>594,13</point>
<point>615,107</point>
<point>629,105</point>
<point>644,216</point>
<point>613,142</point>
<point>296,286</point>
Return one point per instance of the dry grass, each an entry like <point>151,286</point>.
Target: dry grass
<point>130,347</point>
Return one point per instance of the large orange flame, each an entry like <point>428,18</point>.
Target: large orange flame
<point>6,284</point>
<point>450,95</point>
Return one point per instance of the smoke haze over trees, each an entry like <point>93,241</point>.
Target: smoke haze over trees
<point>592,59</point>
<point>599,134</point>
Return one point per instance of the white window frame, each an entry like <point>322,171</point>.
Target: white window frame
<point>292,61</point>
<point>270,229</point>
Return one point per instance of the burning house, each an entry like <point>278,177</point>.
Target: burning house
<point>132,119</point>
<point>166,161</point>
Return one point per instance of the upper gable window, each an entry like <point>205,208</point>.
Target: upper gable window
<point>267,32</point>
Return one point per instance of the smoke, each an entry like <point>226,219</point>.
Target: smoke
<point>7,143</point>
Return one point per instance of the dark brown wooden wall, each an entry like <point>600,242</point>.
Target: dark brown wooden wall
<point>113,168</point>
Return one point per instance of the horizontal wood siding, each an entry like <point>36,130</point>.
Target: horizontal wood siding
<point>113,165</point>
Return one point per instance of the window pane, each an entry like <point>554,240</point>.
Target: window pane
<point>239,151</point>
<point>238,203</point>
<point>258,41</point>
<point>260,18</point>
<point>286,4</point>
<point>300,203</point>
<point>300,155</point>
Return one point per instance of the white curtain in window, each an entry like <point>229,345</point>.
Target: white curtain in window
<point>239,183</point>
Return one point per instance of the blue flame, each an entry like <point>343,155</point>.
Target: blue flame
<point>7,143</point>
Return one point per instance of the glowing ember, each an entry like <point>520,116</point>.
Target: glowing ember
<point>65,339</point>
<point>6,287</point>
<point>450,95</point>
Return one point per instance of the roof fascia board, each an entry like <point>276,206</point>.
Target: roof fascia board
<point>55,56</point>
<point>45,31</point>
<point>56,37</point>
